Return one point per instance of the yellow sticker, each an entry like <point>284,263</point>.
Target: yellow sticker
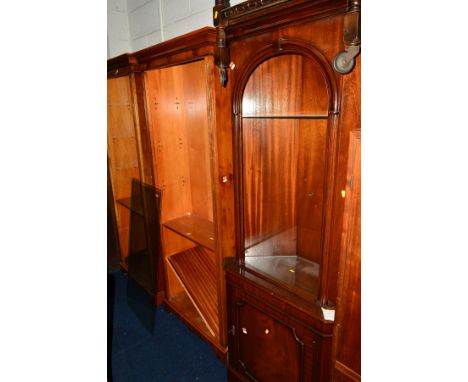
<point>216,15</point>
<point>343,193</point>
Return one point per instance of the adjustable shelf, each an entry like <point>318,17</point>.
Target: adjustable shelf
<point>196,270</point>
<point>292,116</point>
<point>194,228</point>
<point>127,202</point>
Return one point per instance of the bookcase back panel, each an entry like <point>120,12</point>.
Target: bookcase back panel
<point>287,85</point>
<point>177,100</point>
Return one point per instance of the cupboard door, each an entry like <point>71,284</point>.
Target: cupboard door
<point>264,346</point>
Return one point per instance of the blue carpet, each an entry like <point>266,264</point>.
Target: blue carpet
<point>172,353</point>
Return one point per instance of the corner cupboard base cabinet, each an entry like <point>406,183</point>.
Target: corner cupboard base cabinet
<point>273,335</point>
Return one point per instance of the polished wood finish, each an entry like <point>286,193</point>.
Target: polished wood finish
<point>296,331</point>
<point>289,85</point>
<point>185,48</point>
<point>180,119</point>
<point>177,108</point>
<point>269,49</point>
<point>194,228</point>
<point>122,151</point>
<point>286,49</point>
<point>349,119</point>
<point>347,339</point>
<point>144,139</point>
<point>122,65</point>
<point>284,184</point>
<point>260,18</point>
<point>291,114</point>
<point>223,196</point>
<point>261,333</point>
<point>249,7</point>
<point>136,207</point>
<point>196,270</point>
<point>283,158</point>
<point>294,273</point>
<point>187,169</point>
<point>178,114</point>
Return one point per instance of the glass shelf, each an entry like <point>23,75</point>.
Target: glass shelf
<point>293,116</point>
<point>294,272</point>
<point>194,228</point>
<point>127,202</point>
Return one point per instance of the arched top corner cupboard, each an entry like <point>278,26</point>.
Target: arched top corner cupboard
<point>284,111</point>
<point>293,89</point>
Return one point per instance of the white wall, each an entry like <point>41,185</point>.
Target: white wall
<point>136,24</point>
<point>118,37</point>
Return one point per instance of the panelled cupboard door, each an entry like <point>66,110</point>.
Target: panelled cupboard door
<point>347,341</point>
<point>266,346</point>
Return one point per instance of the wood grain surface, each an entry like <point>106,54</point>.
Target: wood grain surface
<point>122,151</point>
<point>196,269</point>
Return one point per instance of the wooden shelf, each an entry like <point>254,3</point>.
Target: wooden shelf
<point>196,270</point>
<point>194,228</point>
<point>127,202</point>
<point>296,116</point>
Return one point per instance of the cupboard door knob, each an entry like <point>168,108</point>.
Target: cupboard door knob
<point>244,330</point>
<point>226,179</point>
<point>267,331</point>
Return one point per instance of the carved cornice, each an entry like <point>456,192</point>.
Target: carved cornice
<point>190,41</point>
<point>200,42</point>
<point>276,15</point>
<point>121,65</point>
<point>249,7</point>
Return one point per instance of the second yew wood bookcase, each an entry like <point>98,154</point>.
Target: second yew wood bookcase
<point>124,154</point>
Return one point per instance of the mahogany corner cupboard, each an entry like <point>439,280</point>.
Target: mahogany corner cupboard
<point>292,81</point>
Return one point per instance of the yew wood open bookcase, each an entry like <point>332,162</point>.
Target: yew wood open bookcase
<point>175,111</point>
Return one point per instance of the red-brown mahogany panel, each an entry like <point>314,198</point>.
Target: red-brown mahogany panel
<point>270,170</point>
<point>284,158</point>
<point>285,85</point>
<point>259,333</point>
<point>350,119</point>
<point>347,341</point>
